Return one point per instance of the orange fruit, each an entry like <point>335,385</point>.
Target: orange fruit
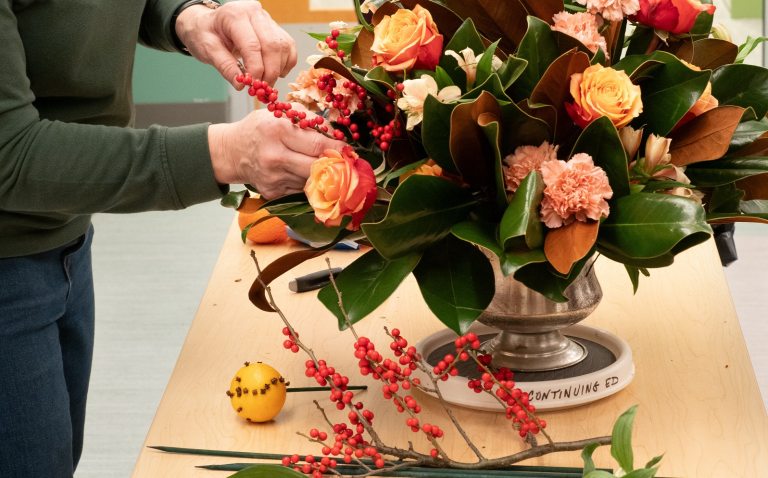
<point>265,232</point>
<point>257,392</point>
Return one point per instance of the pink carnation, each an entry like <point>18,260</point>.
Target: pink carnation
<point>524,160</point>
<point>576,190</point>
<point>305,90</point>
<point>583,27</point>
<point>612,10</point>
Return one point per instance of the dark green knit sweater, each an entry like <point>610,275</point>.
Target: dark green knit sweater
<point>65,99</point>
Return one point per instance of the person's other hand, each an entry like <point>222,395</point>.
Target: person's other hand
<point>269,153</point>
<point>239,28</point>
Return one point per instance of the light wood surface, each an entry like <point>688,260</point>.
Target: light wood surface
<point>699,402</point>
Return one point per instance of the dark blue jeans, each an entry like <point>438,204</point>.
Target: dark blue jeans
<point>46,346</point>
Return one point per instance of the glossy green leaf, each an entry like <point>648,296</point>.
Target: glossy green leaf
<point>520,129</point>
<point>586,456</point>
<point>539,48</point>
<point>621,439</point>
<point>436,132</point>
<point>726,171</point>
<point>481,234</point>
<point>725,199</point>
<point>649,225</point>
<point>456,281</point>
<point>601,140</point>
<point>485,65</point>
<point>422,212</point>
<point>366,284</point>
<point>511,70</point>
<point>670,93</point>
<point>703,25</point>
<point>742,85</point>
<point>308,228</point>
<point>442,78</point>
<point>465,37</point>
<point>234,199</point>
<point>492,131</point>
<point>640,40</point>
<point>748,47</point>
<point>515,259</point>
<point>540,276</point>
<point>380,76</point>
<point>634,276</point>
<point>747,132</point>
<point>492,85</point>
<point>521,218</point>
<point>263,470</point>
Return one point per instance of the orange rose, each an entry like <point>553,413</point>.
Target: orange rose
<point>706,101</point>
<point>406,40</point>
<point>341,184</point>
<point>674,16</point>
<point>600,91</point>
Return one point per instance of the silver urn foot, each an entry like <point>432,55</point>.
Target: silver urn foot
<point>530,324</point>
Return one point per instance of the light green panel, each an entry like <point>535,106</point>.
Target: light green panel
<point>162,77</point>
<point>747,8</point>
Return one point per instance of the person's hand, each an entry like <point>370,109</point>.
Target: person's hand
<point>242,28</point>
<point>269,153</point>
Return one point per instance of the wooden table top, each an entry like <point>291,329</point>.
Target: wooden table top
<point>699,403</point>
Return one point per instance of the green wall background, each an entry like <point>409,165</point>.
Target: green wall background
<point>747,8</point>
<point>162,77</point>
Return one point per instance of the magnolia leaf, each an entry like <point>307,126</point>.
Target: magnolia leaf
<point>521,218</point>
<point>492,85</point>
<point>234,199</point>
<point>709,53</point>
<point>422,212</point>
<point>543,9</point>
<point>511,70</point>
<point>621,439</point>
<point>465,37</point>
<point>491,128</point>
<point>703,25</point>
<point>263,470</point>
<point>366,284</point>
<point>362,55</point>
<point>601,140</point>
<point>724,199</point>
<point>647,226</point>
<point>670,93</point>
<point>554,88</point>
<point>539,48</point>
<point>469,146</point>
<point>568,244</point>
<point>385,10</point>
<point>520,128</point>
<point>754,187</point>
<point>545,113</point>
<point>540,276</point>
<point>502,20</point>
<point>726,170</point>
<point>436,132</point>
<point>746,136</point>
<point>257,292</point>
<point>514,259</point>
<point>481,234</point>
<point>640,40</point>
<point>457,283</point>
<point>742,85</point>
<point>485,65</point>
<point>634,276</point>
<point>705,137</point>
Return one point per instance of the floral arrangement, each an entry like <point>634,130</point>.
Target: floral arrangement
<point>539,131</point>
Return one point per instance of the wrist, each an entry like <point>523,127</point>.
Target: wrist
<point>224,170</point>
<point>183,20</point>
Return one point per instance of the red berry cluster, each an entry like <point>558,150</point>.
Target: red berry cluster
<point>333,44</point>
<point>311,466</point>
<point>290,342</point>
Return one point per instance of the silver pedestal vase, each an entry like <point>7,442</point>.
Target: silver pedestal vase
<point>530,324</point>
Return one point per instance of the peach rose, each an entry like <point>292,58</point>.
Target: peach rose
<point>406,40</point>
<point>601,91</point>
<point>341,184</point>
<point>674,16</point>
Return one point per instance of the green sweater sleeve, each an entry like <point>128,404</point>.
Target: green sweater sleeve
<point>71,168</point>
<point>155,29</point>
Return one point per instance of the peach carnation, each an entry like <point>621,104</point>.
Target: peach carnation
<point>305,91</point>
<point>525,159</point>
<point>611,10</point>
<point>583,27</point>
<point>576,190</point>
